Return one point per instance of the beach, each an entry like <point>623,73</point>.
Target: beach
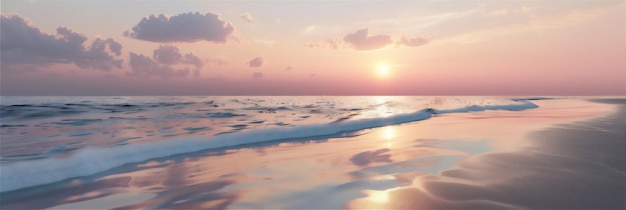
<point>567,153</point>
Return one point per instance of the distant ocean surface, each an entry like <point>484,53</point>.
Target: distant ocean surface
<point>50,139</point>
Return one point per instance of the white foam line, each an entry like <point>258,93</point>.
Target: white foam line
<point>90,161</point>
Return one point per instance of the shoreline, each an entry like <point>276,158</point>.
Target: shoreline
<point>578,165</point>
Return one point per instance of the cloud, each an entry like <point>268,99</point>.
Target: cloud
<point>170,55</point>
<point>189,58</point>
<point>186,27</point>
<point>289,68</point>
<point>334,44</point>
<point>256,62</point>
<point>144,66</point>
<point>218,61</point>
<point>361,41</point>
<point>163,63</point>
<point>257,75</point>
<point>412,42</point>
<point>247,17</point>
<point>311,45</point>
<point>24,45</point>
<point>167,54</point>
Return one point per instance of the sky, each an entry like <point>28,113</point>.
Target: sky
<point>358,47</point>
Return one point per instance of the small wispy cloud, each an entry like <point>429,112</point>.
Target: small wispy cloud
<point>361,40</point>
<point>412,42</point>
<point>256,62</point>
<point>246,16</point>
<point>536,24</point>
<point>217,61</point>
<point>309,29</point>
<point>257,75</point>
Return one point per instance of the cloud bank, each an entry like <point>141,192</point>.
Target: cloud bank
<point>23,44</point>
<point>186,27</point>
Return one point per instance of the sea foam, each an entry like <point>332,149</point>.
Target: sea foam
<point>93,160</point>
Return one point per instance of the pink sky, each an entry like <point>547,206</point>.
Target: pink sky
<point>313,48</point>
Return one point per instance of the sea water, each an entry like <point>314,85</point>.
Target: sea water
<point>50,139</point>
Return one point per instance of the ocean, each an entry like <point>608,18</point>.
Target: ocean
<point>61,144</point>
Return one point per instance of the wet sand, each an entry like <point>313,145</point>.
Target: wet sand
<point>558,156</point>
<point>570,166</point>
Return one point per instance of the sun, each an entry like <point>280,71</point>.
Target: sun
<point>383,71</point>
<point>378,196</point>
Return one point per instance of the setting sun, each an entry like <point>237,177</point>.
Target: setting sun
<point>383,71</point>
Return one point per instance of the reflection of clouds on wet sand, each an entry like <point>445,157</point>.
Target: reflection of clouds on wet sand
<point>196,196</point>
<point>77,192</point>
<point>573,166</point>
<point>365,158</point>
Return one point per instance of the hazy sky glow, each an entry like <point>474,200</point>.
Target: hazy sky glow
<point>70,47</point>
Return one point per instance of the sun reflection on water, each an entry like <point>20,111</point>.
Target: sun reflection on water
<point>389,133</point>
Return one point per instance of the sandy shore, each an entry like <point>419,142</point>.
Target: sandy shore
<point>558,156</point>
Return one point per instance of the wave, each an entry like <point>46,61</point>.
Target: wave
<point>90,161</point>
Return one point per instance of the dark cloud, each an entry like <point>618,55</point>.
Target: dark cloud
<point>361,41</point>
<point>257,75</point>
<point>412,42</point>
<point>256,62</point>
<point>23,45</point>
<point>247,17</point>
<point>166,57</point>
<point>187,27</point>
